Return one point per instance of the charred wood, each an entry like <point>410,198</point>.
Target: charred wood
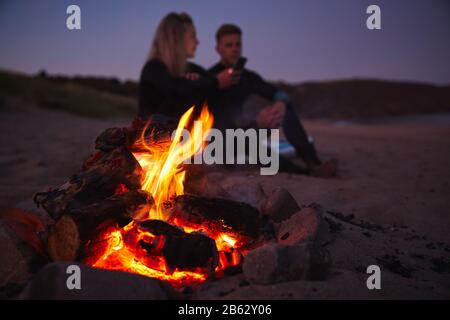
<point>181,250</point>
<point>77,226</point>
<point>98,181</point>
<point>218,214</point>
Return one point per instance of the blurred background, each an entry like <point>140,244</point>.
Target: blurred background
<point>287,40</point>
<point>320,51</point>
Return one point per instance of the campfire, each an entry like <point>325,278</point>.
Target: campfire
<point>127,209</point>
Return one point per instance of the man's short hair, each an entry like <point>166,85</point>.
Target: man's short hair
<point>227,29</point>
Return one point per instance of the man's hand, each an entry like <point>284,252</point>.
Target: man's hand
<point>228,77</point>
<point>272,116</point>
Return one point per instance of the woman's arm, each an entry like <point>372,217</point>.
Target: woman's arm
<point>156,74</point>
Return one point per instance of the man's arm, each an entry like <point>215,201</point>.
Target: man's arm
<point>266,90</point>
<point>271,116</point>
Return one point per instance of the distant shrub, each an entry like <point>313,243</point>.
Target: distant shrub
<point>73,98</point>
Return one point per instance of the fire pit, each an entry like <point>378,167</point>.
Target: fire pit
<point>126,210</point>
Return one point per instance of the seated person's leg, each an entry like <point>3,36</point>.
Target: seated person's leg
<point>288,166</point>
<point>285,164</point>
<point>297,136</point>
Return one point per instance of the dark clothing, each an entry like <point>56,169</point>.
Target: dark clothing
<point>250,83</point>
<point>227,104</point>
<point>161,93</point>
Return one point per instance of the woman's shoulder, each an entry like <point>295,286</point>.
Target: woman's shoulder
<point>192,67</point>
<point>154,63</point>
<point>153,68</point>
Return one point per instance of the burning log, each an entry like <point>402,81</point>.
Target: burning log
<point>102,174</point>
<point>113,138</point>
<point>154,133</point>
<point>78,225</point>
<point>93,210</point>
<point>142,132</point>
<point>181,250</point>
<point>218,215</point>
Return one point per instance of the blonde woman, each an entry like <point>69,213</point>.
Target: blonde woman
<point>169,85</point>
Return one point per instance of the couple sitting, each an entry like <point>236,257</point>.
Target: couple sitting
<point>169,84</point>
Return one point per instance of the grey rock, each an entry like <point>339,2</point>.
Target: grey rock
<point>280,205</point>
<point>51,283</point>
<point>231,187</point>
<point>15,257</point>
<point>211,188</point>
<point>22,237</point>
<point>303,226</point>
<point>275,263</point>
<point>242,189</point>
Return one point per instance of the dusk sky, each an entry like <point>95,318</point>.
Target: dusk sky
<point>288,40</point>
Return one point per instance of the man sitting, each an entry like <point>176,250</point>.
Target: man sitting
<point>227,106</point>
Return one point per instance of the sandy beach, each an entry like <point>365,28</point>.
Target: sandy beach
<point>392,173</point>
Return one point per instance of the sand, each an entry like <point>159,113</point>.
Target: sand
<point>392,173</point>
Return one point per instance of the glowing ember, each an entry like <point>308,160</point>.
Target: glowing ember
<point>123,253</point>
<point>119,248</point>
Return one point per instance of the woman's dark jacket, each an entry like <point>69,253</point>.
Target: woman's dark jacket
<point>161,93</point>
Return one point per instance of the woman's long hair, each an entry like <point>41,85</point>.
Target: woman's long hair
<point>168,43</point>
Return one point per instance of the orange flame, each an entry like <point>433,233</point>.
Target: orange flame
<point>163,171</point>
<point>118,248</point>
